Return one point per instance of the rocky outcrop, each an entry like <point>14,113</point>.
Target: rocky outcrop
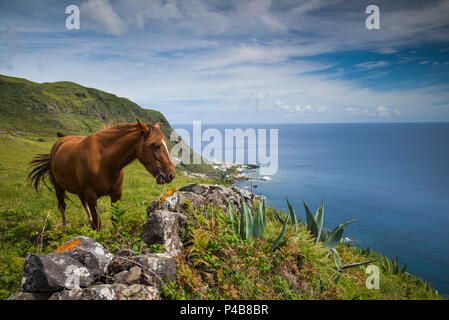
<point>110,292</point>
<point>163,228</point>
<point>77,263</point>
<point>81,269</point>
<point>202,195</point>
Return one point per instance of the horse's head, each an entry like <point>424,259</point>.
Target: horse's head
<point>153,153</point>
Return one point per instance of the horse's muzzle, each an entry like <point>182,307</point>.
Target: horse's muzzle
<point>162,177</point>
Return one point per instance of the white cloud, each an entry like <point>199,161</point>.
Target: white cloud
<point>380,112</point>
<point>372,64</point>
<point>100,14</point>
<point>218,59</point>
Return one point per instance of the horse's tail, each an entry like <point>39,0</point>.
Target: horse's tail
<point>40,170</point>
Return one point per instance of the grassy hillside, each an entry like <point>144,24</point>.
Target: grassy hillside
<point>66,107</point>
<point>46,109</point>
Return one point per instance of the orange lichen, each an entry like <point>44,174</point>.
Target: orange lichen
<point>167,194</point>
<point>69,245</point>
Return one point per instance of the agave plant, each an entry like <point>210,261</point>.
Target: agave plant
<point>392,266</point>
<point>253,228</point>
<point>332,239</point>
<point>315,226</point>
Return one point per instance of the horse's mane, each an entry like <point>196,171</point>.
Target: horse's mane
<point>122,126</point>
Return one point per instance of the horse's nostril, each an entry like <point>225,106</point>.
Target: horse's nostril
<point>171,176</point>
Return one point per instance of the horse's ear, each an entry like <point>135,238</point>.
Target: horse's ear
<point>157,125</point>
<point>144,128</point>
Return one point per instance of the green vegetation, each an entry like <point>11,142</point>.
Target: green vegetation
<point>65,107</point>
<point>249,228</point>
<point>223,258</point>
<point>218,263</point>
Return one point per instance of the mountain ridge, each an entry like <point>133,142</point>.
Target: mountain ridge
<point>67,108</point>
<point>50,107</point>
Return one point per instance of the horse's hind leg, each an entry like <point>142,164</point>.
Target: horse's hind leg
<point>86,207</point>
<point>60,195</point>
<point>91,199</point>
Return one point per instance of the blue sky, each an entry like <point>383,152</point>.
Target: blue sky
<point>255,61</point>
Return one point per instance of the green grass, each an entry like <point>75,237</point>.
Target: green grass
<point>48,108</point>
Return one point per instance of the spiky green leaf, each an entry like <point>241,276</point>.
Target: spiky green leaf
<point>277,242</point>
<point>311,223</point>
<point>336,235</point>
<point>264,215</point>
<point>292,214</point>
<point>336,258</point>
<point>248,219</point>
<point>258,225</point>
<point>242,224</point>
<point>278,217</point>
<point>234,220</point>
<point>357,264</point>
<point>319,218</point>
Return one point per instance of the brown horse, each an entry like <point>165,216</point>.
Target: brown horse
<point>92,166</point>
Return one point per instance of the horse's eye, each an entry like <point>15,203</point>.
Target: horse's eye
<point>156,146</point>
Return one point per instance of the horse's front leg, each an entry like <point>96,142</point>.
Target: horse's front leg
<point>116,194</point>
<point>116,189</point>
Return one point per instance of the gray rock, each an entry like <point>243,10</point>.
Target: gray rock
<point>110,292</point>
<point>139,292</point>
<point>163,228</point>
<point>202,195</point>
<point>53,273</point>
<point>95,292</point>
<point>120,277</point>
<point>120,264</point>
<point>194,188</point>
<point>133,275</point>
<point>77,263</point>
<point>89,252</point>
<point>162,264</point>
<point>20,295</point>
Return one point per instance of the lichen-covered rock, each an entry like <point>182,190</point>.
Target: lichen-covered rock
<point>109,292</point>
<point>89,252</point>
<point>139,292</point>
<point>202,195</point>
<point>77,263</point>
<point>54,272</point>
<point>163,228</point>
<point>95,292</point>
<point>20,295</point>
<point>163,264</point>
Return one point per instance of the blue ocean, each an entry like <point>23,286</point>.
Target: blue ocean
<point>392,177</point>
